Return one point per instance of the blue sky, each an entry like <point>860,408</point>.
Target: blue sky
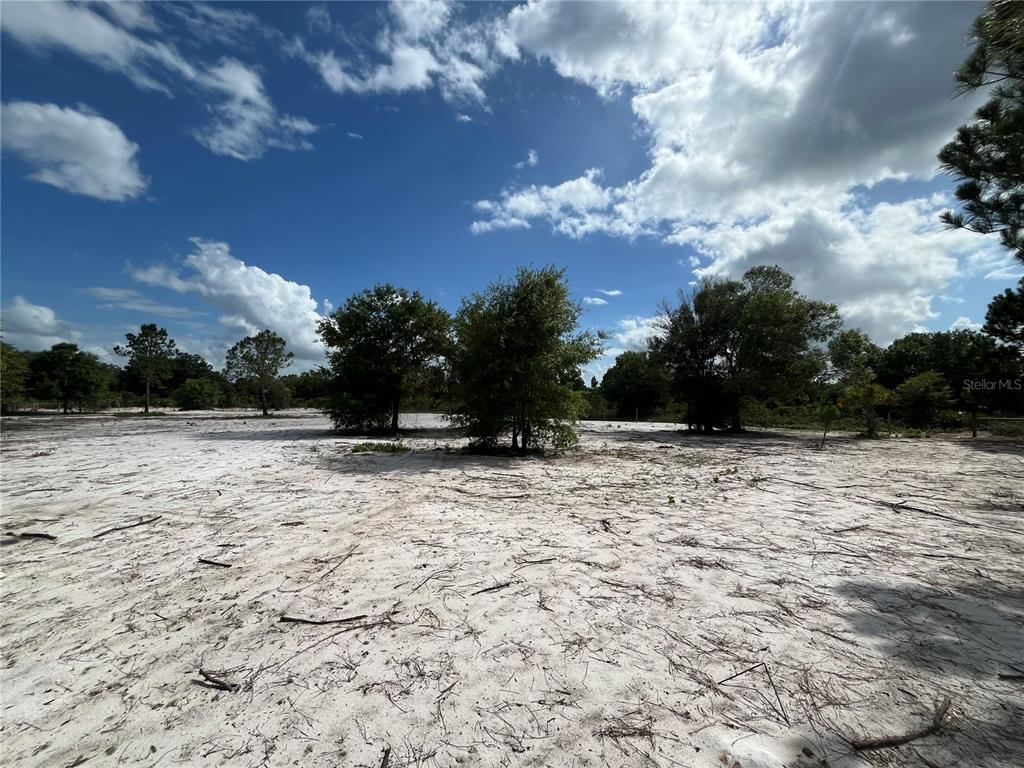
<point>218,169</point>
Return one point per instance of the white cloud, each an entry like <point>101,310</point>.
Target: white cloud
<point>73,149</point>
<point>463,118</point>
<point>764,122</point>
<point>613,292</point>
<point>121,38</point>
<point>353,135</point>
<point>419,47</point>
<point>532,158</point>
<point>964,323</point>
<point>635,331</point>
<point>246,123</point>
<point>595,300</point>
<point>126,298</point>
<point>250,298</point>
<point>31,326</point>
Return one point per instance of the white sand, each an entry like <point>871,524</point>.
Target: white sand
<point>621,613</point>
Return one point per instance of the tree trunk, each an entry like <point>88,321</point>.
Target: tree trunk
<point>147,395</point>
<point>263,400</point>
<point>394,412</point>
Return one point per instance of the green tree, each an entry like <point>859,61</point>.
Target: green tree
<point>828,412</point>
<point>751,338</point>
<point>150,353</point>
<point>636,385</point>
<point>864,397</point>
<point>987,156</point>
<point>381,343</point>
<point>13,375</point>
<point>920,399</point>
<point>1005,317</point>
<point>257,360</point>
<point>852,351</point>
<point>70,376</point>
<point>517,362</point>
<point>198,395</point>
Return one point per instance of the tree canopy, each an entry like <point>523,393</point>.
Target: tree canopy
<point>150,353</point>
<point>257,360</point>
<point>733,339</point>
<point>380,342</point>
<point>517,362</point>
<point>987,155</point>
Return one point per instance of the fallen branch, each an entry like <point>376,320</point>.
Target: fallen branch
<point>853,528</point>
<point>204,561</point>
<point>31,535</point>
<point>294,522</point>
<point>300,620</point>
<point>143,521</point>
<point>217,682</point>
<point>894,741</point>
<point>495,588</point>
<point>387,756</point>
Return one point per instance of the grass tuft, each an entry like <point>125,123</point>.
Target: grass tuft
<point>380,447</point>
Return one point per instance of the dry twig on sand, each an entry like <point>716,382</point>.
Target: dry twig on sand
<point>143,521</point>
<point>217,682</point>
<point>894,741</point>
<point>206,561</point>
<point>495,588</point>
<point>299,620</point>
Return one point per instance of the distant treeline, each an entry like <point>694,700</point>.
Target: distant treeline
<point>732,354</point>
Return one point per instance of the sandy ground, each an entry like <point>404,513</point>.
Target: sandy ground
<point>582,610</point>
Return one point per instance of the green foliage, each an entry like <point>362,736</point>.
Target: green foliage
<point>13,376</point>
<point>381,343</point>
<point>150,353</point>
<point>198,395</point>
<point>309,388</point>
<point>828,413</point>
<point>987,155</point>
<point>864,397</point>
<point>636,385</point>
<point>257,361</point>
<point>73,378</point>
<point>920,399</point>
<point>380,447</point>
<point>755,338</point>
<point>851,351</point>
<point>517,362</point>
<point>1005,317</point>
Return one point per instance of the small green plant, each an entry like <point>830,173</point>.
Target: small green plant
<point>827,413</point>
<point>380,447</point>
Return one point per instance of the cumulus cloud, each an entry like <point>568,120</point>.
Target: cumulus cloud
<point>31,326</point>
<point>765,125</point>
<point>124,38</point>
<point>419,47</point>
<point>73,149</point>
<point>595,300</point>
<point>250,297</point>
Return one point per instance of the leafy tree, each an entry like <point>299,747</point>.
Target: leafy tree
<point>198,395</point>
<point>750,338</point>
<point>150,353</point>
<point>187,366</point>
<point>852,351</point>
<point>72,377</point>
<point>13,375</point>
<point>1005,317</point>
<point>987,155</point>
<point>864,397</point>
<point>828,412</point>
<point>258,360</point>
<point>309,388</point>
<point>517,362</point>
<point>920,398</point>
<point>636,385</point>
<point>381,343</point>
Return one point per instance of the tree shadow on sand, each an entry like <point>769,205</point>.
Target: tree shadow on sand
<point>961,635</point>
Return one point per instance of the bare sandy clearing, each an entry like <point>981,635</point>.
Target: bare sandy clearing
<point>572,611</point>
